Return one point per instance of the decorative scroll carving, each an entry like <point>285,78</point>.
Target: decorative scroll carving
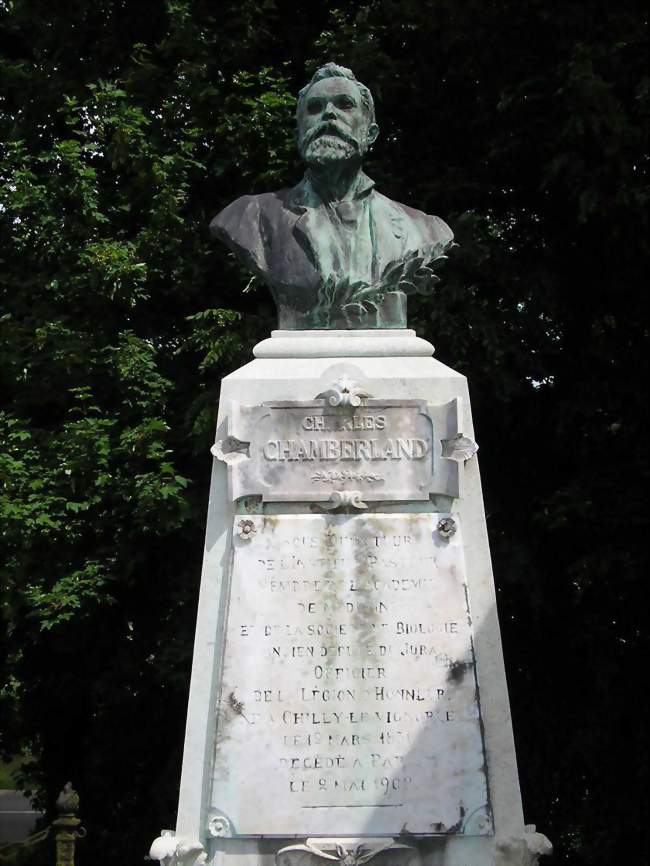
<point>340,498</point>
<point>522,850</point>
<point>172,850</point>
<point>345,393</point>
<point>229,449</point>
<point>348,852</point>
<point>460,448</point>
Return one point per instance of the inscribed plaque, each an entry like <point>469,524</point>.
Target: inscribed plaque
<point>306,451</point>
<point>349,701</point>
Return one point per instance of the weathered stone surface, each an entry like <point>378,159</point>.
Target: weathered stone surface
<point>349,697</point>
<point>334,252</point>
<point>342,443</point>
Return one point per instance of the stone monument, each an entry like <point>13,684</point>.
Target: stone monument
<point>348,701</point>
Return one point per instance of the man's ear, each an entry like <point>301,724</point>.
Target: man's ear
<point>373,132</point>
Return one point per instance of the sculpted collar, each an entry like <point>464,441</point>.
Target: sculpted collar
<point>305,194</point>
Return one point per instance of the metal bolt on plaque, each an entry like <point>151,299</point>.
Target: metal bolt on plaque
<point>447,527</point>
<point>245,529</point>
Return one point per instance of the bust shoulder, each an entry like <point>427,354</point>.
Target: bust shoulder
<point>245,212</point>
<point>418,229</point>
<point>427,228</point>
<point>247,225</point>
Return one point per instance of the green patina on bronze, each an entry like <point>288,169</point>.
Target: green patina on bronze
<point>335,252</point>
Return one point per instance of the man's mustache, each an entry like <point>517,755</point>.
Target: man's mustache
<point>328,128</point>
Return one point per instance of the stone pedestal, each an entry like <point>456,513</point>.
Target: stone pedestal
<point>348,700</point>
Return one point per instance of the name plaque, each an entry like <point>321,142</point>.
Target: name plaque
<point>324,450</point>
<point>348,701</point>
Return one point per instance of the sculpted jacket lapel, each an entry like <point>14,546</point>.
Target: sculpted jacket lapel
<point>312,227</point>
<point>301,204</point>
<point>389,231</point>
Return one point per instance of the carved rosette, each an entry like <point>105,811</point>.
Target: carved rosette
<point>219,826</point>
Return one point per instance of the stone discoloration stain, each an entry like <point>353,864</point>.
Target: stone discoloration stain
<point>457,671</point>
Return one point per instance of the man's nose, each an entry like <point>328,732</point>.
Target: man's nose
<point>330,112</point>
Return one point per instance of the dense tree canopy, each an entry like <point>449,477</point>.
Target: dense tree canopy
<point>124,127</point>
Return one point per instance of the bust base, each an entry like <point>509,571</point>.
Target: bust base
<point>377,343</point>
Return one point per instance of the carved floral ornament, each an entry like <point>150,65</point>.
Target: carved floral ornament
<point>345,393</point>
<point>348,852</point>
<point>521,850</point>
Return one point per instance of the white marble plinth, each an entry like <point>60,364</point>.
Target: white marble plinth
<point>398,342</point>
<point>299,366</point>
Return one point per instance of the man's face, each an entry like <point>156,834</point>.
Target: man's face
<point>333,123</point>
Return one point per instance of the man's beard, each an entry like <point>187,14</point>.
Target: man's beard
<point>326,144</point>
<point>328,148</point>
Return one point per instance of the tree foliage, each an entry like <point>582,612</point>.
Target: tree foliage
<point>125,127</point>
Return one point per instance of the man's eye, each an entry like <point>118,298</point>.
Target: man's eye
<point>313,107</point>
<point>345,102</point>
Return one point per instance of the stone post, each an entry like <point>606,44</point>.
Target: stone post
<point>67,826</point>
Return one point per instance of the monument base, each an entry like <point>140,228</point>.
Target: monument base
<point>524,850</point>
<point>265,734</point>
<point>376,343</point>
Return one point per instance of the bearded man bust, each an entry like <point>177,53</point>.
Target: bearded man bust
<point>334,252</point>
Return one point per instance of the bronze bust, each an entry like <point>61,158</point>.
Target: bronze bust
<point>334,252</point>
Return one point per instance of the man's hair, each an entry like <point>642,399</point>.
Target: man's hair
<point>333,70</point>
